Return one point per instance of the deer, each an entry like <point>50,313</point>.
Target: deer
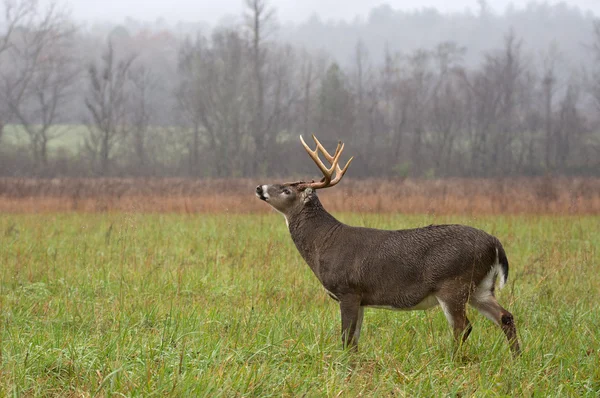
<point>407,269</point>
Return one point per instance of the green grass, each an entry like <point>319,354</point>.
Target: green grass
<point>67,137</point>
<point>223,305</point>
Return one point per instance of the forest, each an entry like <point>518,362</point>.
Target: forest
<point>479,94</point>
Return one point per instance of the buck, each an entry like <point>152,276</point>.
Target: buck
<point>409,269</point>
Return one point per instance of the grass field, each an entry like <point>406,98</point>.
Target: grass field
<point>198,305</point>
<point>69,137</point>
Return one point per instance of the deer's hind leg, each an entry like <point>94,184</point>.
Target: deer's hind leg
<point>454,304</point>
<point>489,306</point>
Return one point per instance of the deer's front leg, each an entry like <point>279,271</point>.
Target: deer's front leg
<point>352,316</point>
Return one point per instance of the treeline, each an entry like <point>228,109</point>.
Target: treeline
<point>232,102</point>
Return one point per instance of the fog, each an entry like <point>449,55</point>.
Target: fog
<point>223,89</point>
<point>287,10</point>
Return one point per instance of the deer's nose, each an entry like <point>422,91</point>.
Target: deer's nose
<point>259,189</point>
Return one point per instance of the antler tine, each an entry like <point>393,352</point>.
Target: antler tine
<point>327,172</point>
<point>339,172</point>
<point>340,147</point>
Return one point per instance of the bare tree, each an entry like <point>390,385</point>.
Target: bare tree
<point>394,111</point>
<point>307,77</point>
<point>570,125</point>
<point>495,93</point>
<point>510,69</point>
<point>447,108</point>
<point>259,15</point>
<point>269,77</point>
<point>144,85</point>
<point>596,71</point>
<point>595,84</point>
<point>284,91</point>
<point>419,90</point>
<point>216,101</point>
<point>549,88</point>
<point>189,95</point>
<point>107,104</point>
<point>360,78</point>
<point>366,92</point>
<point>37,86</point>
<point>16,13</point>
<point>336,105</point>
<point>311,71</point>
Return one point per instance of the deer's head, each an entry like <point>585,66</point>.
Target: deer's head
<point>291,197</point>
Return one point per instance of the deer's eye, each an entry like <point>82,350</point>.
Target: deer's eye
<point>286,191</point>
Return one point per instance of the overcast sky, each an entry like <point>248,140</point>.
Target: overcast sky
<point>287,10</point>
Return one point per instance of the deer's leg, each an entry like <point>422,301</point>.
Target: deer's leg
<point>488,306</point>
<point>455,309</point>
<point>359,321</point>
<point>352,314</point>
<point>492,310</point>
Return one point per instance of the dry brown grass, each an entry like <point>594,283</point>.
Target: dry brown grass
<point>449,196</point>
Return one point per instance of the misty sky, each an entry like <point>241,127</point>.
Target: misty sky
<point>212,11</point>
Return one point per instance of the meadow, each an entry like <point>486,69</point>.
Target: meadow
<point>138,304</point>
<point>64,136</point>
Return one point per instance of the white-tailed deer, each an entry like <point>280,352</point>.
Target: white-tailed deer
<point>410,269</point>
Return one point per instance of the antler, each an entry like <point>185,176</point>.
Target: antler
<point>327,180</point>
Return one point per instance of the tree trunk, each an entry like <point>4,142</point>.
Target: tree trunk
<point>44,152</point>
<point>104,154</point>
<point>195,152</point>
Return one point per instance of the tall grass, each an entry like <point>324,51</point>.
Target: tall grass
<point>132,304</point>
<point>519,195</point>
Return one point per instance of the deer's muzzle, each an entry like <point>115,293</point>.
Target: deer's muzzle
<point>261,192</point>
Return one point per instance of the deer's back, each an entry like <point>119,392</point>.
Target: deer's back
<point>414,262</point>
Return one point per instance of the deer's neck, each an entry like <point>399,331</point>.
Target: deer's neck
<point>313,230</point>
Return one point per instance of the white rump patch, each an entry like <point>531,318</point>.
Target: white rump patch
<point>484,290</point>
<point>499,271</point>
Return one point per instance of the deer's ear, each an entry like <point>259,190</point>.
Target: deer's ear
<point>307,194</point>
